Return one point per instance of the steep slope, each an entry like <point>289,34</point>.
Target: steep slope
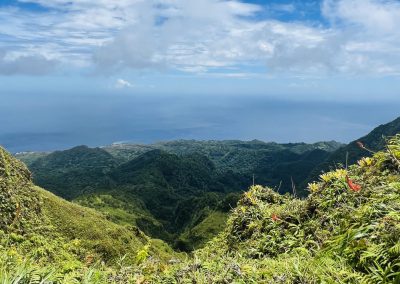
<point>151,191</point>
<point>74,172</point>
<point>236,160</point>
<point>286,171</point>
<point>374,141</point>
<point>30,157</point>
<point>197,235</point>
<point>19,203</point>
<point>175,189</point>
<point>39,230</point>
<point>187,174</point>
<point>125,209</point>
<point>242,156</point>
<point>245,158</point>
<point>155,189</point>
<point>346,231</point>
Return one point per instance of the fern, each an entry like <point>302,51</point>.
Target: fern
<point>395,250</point>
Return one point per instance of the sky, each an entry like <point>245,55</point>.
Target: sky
<point>95,72</point>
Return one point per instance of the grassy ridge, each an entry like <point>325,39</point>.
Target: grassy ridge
<point>43,236</point>
<point>154,187</point>
<point>374,141</point>
<point>346,231</point>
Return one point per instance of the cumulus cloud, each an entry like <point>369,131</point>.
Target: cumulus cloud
<point>368,34</point>
<point>372,16</point>
<point>185,35</point>
<point>122,84</point>
<point>361,36</point>
<point>26,65</point>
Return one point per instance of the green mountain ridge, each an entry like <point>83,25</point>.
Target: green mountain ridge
<point>37,229</point>
<point>373,141</point>
<point>226,154</point>
<point>346,231</point>
<point>181,191</point>
<point>156,189</point>
<point>73,172</point>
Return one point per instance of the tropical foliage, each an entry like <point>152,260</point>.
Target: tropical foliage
<point>346,231</point>
<point>44,238</point>
<point>168,190</point>
<point>355,150</point>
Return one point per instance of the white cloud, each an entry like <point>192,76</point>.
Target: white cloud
<point>203,36</point>
<point>25,64</point>
<point>372,16</point>
<point>122,84</point>
<point>369,34</point>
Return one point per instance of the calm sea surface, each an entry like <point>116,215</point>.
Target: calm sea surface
<point>53,122</point>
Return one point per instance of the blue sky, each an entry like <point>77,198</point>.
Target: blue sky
<point>113,53</point>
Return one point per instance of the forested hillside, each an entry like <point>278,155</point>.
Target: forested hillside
<point>345,231</point>
<point>45,238</point>
<point>355,150</point>
<point>181,191</point>
<point>199,142</point>
<point>171,190</point>
<point>268,161</point>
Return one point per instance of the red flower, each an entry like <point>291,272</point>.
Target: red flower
<point>353,186</point>
<point>275,217</point>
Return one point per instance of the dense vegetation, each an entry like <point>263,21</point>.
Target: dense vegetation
<point>372,142</point>
<point>74,172</point>
<point>346,231</point>
<point>171,190</point>
<point>45,238</point>
<point>271,163</point>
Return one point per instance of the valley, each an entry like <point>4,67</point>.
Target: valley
<point>199,142</point>
<point>170,190</point>
<point>165,207</point>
